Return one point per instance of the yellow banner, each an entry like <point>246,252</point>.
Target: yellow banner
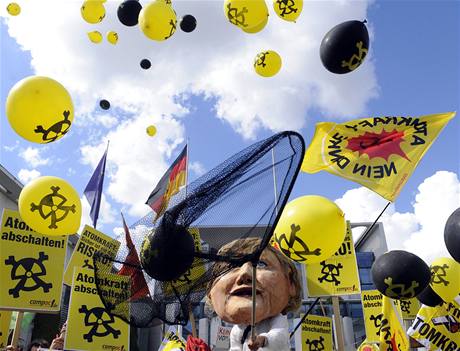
<point>172,341</point>
<point>379,153</point>
<point>337,275</point>
<point>409,308</point>
<point>437,328</point>
<point>91,240</point>
<point>393,336</point>
<point>197,269</point>
<point>5,318</point>
<point>31,266</point>
<point>90,326</point>
<point>316,333</point>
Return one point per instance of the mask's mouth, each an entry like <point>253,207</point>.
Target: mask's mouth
<point>245,291</point>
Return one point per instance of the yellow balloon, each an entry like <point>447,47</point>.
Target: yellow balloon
<point>93,11</point>
<point>445,278</point>
<point>288,10</point>
<point>39,109</point>
<point>50,206</point>
<point>311,229</point>
<point>256,29</point>
<point>95,36</point>
<point>157,20</point>
<point>151,130</point>
<point>13,9</point>
<point>246,14</point>
<point>112,37</point>
<point>267,63</point>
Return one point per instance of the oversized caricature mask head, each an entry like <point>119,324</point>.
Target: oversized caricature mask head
<point>277,285</point>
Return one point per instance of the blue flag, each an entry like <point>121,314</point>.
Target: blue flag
<point>93,190</point>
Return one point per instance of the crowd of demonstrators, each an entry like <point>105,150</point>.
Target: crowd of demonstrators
<point>38,344</point>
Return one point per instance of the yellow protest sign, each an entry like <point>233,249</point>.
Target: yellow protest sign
<point>337,275</point>
<point>31,266</point>
<point>197,269</point>
<point>437,328</point>
<point>372,310</point>
<point>316,333</point>
<point>374,319</point>
<point>91,326</point>
<point>91,240</point>
<point>5,318</point>
<point>409,307</point>
<point>172,341</point>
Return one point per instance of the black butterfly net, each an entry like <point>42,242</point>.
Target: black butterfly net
<point>179,252</point>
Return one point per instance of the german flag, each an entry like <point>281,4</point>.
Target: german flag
<point>168,185</point>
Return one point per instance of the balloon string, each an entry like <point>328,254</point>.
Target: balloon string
<point>317,299</point>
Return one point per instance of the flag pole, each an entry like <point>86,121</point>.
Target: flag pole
<point>254,266</point>
<point>191,316</point>
<point>103,175</point>
<point>186,167</point>
<point>274,182</point>
<point>338,323</point>
<point>17,329</point>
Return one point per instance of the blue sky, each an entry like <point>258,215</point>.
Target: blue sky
<point>201,94</point>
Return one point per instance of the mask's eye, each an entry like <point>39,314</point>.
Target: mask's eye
<point>262,264</point>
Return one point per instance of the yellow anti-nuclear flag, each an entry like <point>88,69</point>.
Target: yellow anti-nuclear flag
<point>393,337</point>
<point>379,153</point>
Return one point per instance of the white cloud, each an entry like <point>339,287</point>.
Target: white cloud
<point>197,168</point>
<point>27,175</point>
<point>106,121</point>
<point>12,147</point>
<point>420,231</point>
<point>134,160</point>
<point>214,62</point>
<point>33,157</point>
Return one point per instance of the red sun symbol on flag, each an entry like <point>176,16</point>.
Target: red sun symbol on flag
<point>381,144</point>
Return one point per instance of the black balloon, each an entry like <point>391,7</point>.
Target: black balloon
<point>105,105</point>
<point>168,252</point>
<point>429,297</point>
<point>344,47</point>
<point>400,274</point>
<point>128,12</point>
<point>145,64</point>
<point>452,235</point>
<point>188,23</point>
